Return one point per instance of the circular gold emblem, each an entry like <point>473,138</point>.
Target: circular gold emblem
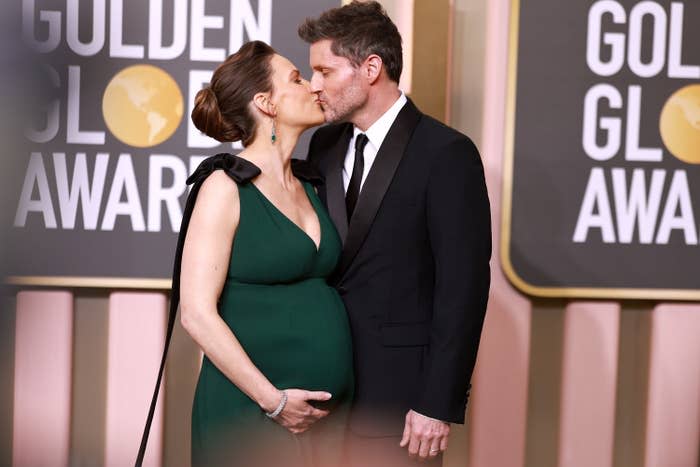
<point>679,124</point>
<point>142,106</point>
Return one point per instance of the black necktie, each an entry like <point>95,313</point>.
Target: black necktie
<point>356,178</point>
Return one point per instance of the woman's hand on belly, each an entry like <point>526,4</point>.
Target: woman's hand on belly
<point>298,415</point>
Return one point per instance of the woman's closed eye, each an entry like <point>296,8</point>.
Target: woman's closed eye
<point>296,77</point>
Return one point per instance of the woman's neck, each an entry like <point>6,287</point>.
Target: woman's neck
<point>273,158</point>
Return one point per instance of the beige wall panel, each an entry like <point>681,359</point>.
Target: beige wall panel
<point>7,370</point>
<point>467,70</point>
<point>589,380</point>
<point>632,378</point>
<point>546,347</point>
<point>42,378</point>
<point>673,404</point>
<point>401,13</point>
<point>498,409</point>
<point>136,336</point>
<point>498,404</point>
<point>90,338</point>
<point>182,371</point>
<point>431,26</point>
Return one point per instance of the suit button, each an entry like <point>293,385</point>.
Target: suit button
<point>342,290</point>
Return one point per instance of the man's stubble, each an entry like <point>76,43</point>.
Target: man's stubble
<point>347,104</point>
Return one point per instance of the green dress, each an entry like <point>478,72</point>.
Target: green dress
<point>292,325</point>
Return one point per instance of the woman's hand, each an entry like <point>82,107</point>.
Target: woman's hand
<point>298,415</point>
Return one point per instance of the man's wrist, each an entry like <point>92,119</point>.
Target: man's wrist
<point>429,418</point>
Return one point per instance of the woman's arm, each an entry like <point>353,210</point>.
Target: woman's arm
<point>205,261</point>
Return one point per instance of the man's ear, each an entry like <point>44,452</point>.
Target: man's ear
<point>262,101</point>
<point>373,66</point>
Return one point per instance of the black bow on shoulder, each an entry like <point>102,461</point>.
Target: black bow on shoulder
<point>239,169</point>
<point>242,170</point>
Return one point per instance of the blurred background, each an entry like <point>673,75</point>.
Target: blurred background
<point>567,375</point>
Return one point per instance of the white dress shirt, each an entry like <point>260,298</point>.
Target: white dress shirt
<point>375,134</point>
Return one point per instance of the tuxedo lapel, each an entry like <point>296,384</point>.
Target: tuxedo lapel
<point>377,182</point>
<point>335,193</point>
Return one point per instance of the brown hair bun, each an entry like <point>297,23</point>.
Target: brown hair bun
<point>222,109</point>
<point>207,117</point>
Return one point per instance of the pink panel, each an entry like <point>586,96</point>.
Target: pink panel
<point>498,406</point>
<point>673,407</point>
<point>403,17</point>
<point>589,381</point>
<point>136,337</point>
<point>43,356</point>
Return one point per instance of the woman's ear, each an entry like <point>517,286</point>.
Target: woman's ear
<point>262,101</point>
<point>373,67</point>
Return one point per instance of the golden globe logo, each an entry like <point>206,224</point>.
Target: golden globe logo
<point>679,124</point>
<point>76,178</point>
<point>647,204</point>
<point>142,106</point>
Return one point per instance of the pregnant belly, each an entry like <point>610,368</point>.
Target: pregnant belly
<point>296,334</point>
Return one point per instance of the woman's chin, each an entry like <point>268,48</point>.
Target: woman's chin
<point>318,120</point>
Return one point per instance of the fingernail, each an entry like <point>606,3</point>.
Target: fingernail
<point>328,395</point>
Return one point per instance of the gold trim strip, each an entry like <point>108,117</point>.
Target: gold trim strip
<point>95,282</point>
<point>506,205</point>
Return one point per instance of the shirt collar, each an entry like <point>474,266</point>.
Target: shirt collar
<point>379,129</point>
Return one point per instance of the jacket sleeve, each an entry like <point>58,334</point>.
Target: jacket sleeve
<point>459,228</point>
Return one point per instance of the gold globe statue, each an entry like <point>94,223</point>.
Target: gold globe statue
<point>142,106</point>
<point>679,124</point>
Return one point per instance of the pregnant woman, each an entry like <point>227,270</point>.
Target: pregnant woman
<point>276,379</point>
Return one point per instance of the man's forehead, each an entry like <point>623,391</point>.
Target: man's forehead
<point>321,50</point>
<point>322,45</point>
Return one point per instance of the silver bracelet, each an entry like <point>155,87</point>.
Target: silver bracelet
<point>280,407</point>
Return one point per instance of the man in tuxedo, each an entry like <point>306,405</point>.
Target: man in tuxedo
<point>408,197</point>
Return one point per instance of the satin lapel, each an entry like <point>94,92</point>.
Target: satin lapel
<point>335,193</point>
<point>377,182</point>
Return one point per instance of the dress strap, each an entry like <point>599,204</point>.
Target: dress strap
<point>241,171</point>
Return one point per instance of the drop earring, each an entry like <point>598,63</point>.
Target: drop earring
<point>273,136</point>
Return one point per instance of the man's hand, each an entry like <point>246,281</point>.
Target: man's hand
<point>424,436</point>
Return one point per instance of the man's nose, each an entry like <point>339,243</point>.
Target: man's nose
<point>315,83</point>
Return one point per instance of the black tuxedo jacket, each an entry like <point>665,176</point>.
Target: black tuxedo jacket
<point>414,271</point>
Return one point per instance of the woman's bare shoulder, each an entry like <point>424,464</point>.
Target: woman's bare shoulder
<point>218,196</point>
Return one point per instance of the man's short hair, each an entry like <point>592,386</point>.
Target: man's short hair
<point>356,31</point>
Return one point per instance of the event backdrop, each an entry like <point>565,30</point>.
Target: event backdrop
<point>602,192</point>
<point>101,187</point>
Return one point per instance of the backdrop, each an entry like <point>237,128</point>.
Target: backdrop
<point>101,186</point>
<point>602,177</point>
